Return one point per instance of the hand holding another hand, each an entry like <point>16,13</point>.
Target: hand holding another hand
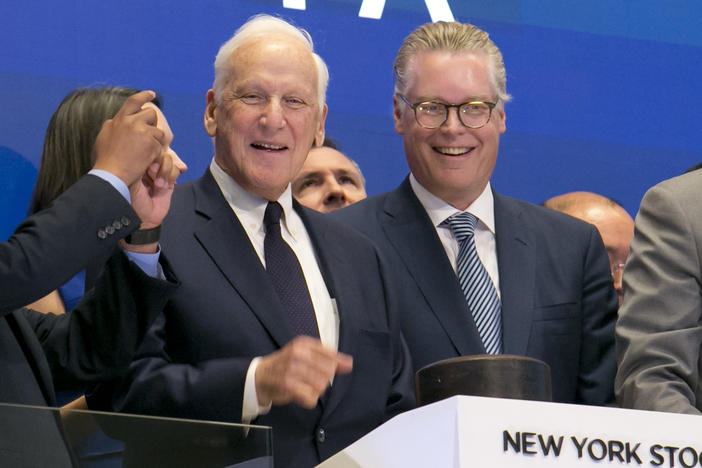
<point>151,193</point>
<point>130,142</point>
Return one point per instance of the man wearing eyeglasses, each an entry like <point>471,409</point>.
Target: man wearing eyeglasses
<point>483,273</point>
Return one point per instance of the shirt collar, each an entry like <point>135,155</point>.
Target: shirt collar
<point>249,207</point>
<point>438,210</point>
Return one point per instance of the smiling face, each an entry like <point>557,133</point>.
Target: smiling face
<point>328,181</point>
<point>453,162</point>
<point>269,114</point>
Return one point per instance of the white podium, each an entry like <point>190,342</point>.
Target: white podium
<point>479,432</point>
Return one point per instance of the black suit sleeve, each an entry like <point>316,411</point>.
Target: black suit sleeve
<point>99,338</point>
<point>53,245</point>
<point>401,393</point>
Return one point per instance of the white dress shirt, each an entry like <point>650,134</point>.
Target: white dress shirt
<point>482,208</point>
<point>249,210</point>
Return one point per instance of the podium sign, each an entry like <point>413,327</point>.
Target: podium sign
<point>466,431</point>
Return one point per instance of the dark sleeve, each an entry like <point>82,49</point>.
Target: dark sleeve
<point>53,245</point>
<point>401,395</point>
<point>158,384</point>
<point>597,364</point>
<point>100,337</point>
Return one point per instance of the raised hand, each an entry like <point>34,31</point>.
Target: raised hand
<point>151,194</point>
<point>130,142</point>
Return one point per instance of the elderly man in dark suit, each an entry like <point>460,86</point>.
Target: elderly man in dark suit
<point>284,318</point>
<point>482,272</point>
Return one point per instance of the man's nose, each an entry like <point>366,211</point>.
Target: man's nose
<point>335,194</point>
<point>273,114</point>
<point>453,122</point>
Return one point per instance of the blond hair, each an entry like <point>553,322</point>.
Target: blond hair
<point>452,37</point>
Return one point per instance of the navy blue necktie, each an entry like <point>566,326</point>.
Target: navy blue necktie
<point>476,284</point>
<point>285,273</point>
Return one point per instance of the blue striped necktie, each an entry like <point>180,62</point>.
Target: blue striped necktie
<point>285,272</point>
<point>480,292</point>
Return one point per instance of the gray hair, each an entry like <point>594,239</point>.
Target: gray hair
<point>454,37</point>
<point>262,25</point>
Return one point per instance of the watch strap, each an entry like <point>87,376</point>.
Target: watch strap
<point>144,236</point>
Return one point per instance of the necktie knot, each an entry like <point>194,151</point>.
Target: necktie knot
<point>272,215</point>
<point>462,225</point>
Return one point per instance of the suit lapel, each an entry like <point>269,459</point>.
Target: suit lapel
<point>229,247</point>
<point>410,231</point>
<point>516,263</point>
<point>335,271</point>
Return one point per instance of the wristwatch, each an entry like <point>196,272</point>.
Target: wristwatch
<point>144,236</point>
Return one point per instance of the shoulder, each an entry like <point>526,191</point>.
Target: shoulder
<point>196,197</point>
<point>363,211</point>
<point>684,190</point>
<point>538,218</point>
<point>331,227</point>
<point>185,193</point>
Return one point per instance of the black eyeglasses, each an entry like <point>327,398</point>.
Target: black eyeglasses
<point>432,115</point>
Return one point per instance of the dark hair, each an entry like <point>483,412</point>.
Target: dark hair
<point>330,143</point>
<point>70,138</point>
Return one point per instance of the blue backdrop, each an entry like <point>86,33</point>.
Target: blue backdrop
<point>605,91</point>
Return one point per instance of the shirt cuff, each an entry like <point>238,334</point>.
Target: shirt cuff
<point>148,263</point>
<point>115,181</point>
<point>250,409</point>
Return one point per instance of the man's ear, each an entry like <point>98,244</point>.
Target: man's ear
<point>319,134</point>
<point>397,114</point>
<point>501,120</point>
<point>210,112</point>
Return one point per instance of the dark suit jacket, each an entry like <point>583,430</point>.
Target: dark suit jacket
<point>226,312</point>
<point>76,348</point>
<point>53,245</point>
<point>558,302</point>
<point>95,341</point>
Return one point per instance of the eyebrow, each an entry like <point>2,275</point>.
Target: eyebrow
<point>470,99</point>
<point>345,172</point>
<point>303,176</point>
<point>307,175</point>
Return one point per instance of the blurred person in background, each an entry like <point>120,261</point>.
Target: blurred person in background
<point>612,221</point>
<point>328,180</point>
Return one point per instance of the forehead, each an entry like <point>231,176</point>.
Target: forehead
<point>327,158</point>
<point>466,72</point>
<point>616,227</point>
<point>613,223</point>
<point>273,59</point>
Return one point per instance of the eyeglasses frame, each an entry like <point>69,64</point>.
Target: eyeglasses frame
<point>491,106</point>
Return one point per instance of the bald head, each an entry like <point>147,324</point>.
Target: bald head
<point>612,221</point>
